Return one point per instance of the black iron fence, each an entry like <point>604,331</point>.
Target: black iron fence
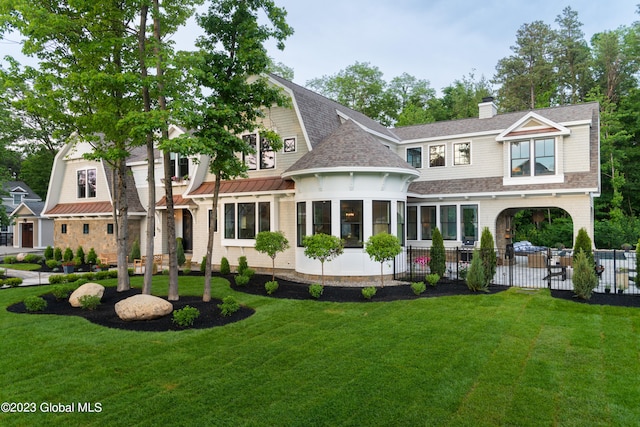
<point>616,269</point>
<point>6,239</point>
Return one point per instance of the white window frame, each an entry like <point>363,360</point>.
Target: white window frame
<point>258,154</point>
<point>86,184</point>
<point>456,150</point>
<point>429,155</point>
<point>406,156</point>
<point>236,241</point>
<point>531,178</point>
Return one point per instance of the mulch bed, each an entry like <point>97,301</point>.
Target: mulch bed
<point>210,315</point>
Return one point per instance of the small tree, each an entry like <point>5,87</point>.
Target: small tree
<point>584,276</point>
<point>80,254</point>
<point>475,276</point>
<point>383,247</point>
<point>488,255</point>
<point>180,252</point>
<point>583,244</point>
<point>438,261</point>
<point>48,253</point>
<point>135,250</point>
<point>68,255</point>
<point>57,254</point>
<point>323,247</point>
<point>92,257</point>
<point>271,243</point>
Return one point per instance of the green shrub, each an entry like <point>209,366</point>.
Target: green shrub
<point>241,280</point>
<point>316,290</point>
<point>80,254</point>
<point>229,306</point>
<point>10,259</point>
<point>92,257</point>
<point>165,272</point>
<point>369,292</point>
<point>57,254</point>
<point>271,286</point>
<point>130,272</point>
<point>61,292</point>
<point>56,279</point>
<point>186,271</point>
<point>113,274</point>
<point>476,277</point>
<point>48,253</point>
<point>52,263</point>
<point>438,261</point>
<point>224,266</point>
<point>185,316</point>
<point>249,272</point>
<point>418,287</point>
<point>135,250</point>
<point>33,303</point>
<point>32,259</point>
<point>432,279</point>
<point>242,264</point>
<point>13,281</point>
<point>89,276</point>
<point>71,277</point>
<point>100,275</point>
<point>180,252</point>
<point>584,276</point>
<point>77,261</point>
<point>89,302</point>
<point>488,256</point>
<point>203,264</point>
<point>67,255</point>
<point>583,243</point>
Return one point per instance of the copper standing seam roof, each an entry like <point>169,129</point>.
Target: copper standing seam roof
<point>248,185</point>
<point>177,201</point>
<point>81,208</point>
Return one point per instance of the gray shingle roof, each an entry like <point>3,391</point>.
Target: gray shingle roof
<point>7,186</point>
<point>319,114</point>
<point>350,146</point>
<point>500,122</point>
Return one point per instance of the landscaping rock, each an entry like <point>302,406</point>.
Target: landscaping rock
<point>143,307</point>
<point>86,289</point>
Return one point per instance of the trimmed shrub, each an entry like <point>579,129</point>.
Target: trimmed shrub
<point>249,272</point>
<point>180,252</point>
<point>13,281</point>
<point>369,292</point>
<point>488,256</point>
<point>55,279</point>
<point>438,261</point>
<point>432,279</point>
<point>92,257</point>
<point>475,276</point>
<point>32,259</point>
<point>418,287</point>
<point>48,253</point>
<point>242,264</point>
<point>185,316</point>
<point>52,263</point>
<point>71,277</point>
<point>57,254</point>
<point>241,280</point>
<point>61,292</point>
<point>10,259</point>
<point>67,255</point>
<point>271,286</point>
<point>89,302</point>
<point>89,276</point>
<point>33,304</point>
<point>165,272</point>
<point>315,290</point>
<point>224,266</point>
<point>77,261</point>
<point>100,275</point>
<point>229,306</point>
<point>186,271</point>
<point>583,243</point>
<point>135,250</point>
<point>80,254</point>
<point>584,276</point>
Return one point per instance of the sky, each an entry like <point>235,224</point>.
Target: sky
<point>436,40</point>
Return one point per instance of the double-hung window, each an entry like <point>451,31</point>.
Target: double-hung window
<point>437,156</point>
<point>86,183</point>
<point>322,217</point>
<point>540,152</point>
<point>262,156</point>
<point>414,157</point>
<point>462,153</point>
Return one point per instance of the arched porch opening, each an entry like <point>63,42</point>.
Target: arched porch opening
<point>542,226</point>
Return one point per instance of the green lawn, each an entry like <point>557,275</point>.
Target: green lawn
<point>21,266</point>
<point>514,358</point>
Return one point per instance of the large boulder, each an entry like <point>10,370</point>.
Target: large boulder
<point>143,307</point>
<point>20,257</point>
<point>86,289</point>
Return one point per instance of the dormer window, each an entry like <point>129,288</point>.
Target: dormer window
<point>179,166</point>
<point>540,152</point>
<point>86,183</point>
<point>17,199</point>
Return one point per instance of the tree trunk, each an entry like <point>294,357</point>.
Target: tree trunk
<point>151,175</point>
<point>173,294</point>
<point>382,273</point>
<point>122,221</point>
<point>206,296</point>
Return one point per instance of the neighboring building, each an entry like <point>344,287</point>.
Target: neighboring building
<point>343,173</point>
<point>28,229</point>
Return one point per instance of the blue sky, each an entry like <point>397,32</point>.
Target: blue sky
<point>436,40</point>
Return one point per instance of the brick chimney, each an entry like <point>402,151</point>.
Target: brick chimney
<point>487,108</point>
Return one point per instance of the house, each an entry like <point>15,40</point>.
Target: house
<point>343,173</point>
<point>29,229</point>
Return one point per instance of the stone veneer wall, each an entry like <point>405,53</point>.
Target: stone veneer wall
<point>98,239</point>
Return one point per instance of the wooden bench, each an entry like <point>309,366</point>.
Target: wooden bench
<point>108,259</point>
<point>157,260</point>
